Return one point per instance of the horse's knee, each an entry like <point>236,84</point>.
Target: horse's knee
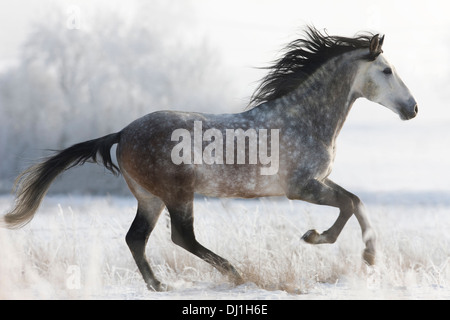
<point>349,204</point>
<point>346,205</point>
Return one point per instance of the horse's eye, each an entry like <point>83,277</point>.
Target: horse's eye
<point>387,71</point>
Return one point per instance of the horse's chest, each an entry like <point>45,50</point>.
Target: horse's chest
<point>311,159</point>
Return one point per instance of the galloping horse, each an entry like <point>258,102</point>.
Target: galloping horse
<point>166,157</point>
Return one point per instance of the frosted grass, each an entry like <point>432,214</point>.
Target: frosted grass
<point>75,248</point>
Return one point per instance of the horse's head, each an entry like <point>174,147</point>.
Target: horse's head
<point>379,82</point>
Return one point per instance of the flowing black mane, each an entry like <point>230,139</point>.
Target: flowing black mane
<point>302,58</point>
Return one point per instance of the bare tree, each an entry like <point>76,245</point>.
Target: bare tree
<point>73,84</point>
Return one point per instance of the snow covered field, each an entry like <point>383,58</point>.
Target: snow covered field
<point>75,248</point>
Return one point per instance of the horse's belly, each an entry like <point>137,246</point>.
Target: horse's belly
<point>236,183</point>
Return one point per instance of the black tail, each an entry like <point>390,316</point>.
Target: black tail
<point>32,184</point>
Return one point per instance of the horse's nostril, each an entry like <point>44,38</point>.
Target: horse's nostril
<point>416,109</point>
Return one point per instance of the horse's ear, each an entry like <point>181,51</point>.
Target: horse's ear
<point>381,41</point>
<point>375,45</point>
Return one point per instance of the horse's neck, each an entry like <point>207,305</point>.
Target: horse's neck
<point>324,100</point>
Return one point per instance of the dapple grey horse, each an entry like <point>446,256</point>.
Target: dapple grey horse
<point>166,157</point>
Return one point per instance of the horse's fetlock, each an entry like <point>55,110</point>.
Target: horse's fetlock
<point>328,237</point>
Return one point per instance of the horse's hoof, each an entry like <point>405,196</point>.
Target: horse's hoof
<point>369,257</point>
<point>312,236</point>
<point>237,279</point>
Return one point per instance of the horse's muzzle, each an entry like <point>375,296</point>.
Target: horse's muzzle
<point>409,110</point>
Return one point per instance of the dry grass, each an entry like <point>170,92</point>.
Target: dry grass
<point>261,238</point>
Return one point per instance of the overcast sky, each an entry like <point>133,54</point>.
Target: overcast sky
<point>256,24</point>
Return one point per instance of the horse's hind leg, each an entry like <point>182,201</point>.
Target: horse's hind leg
<point>182,223</point>
<point>149,209</point>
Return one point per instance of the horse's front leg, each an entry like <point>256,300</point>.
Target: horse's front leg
<point>328,193</point>
<point>360,212</point>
